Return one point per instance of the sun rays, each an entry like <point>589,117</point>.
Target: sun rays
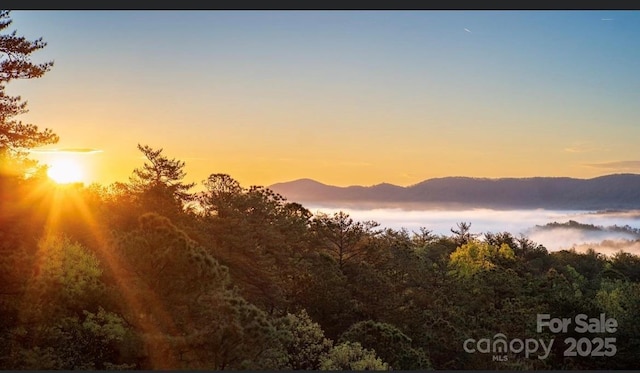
<point>57,205</point>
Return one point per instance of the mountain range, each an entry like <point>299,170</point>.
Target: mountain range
<point>617,191</point>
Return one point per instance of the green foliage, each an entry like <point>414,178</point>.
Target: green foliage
<point>620,299</point>
<point>351,356</point>
<point>390,344</point>
<point>158,183</point>
<point>159,252</point>
<point>76,343</point>
<point>61,323</point>
<point>91,343</point>
<point>339,235</point>
<point>615,298</point>
<point>222,192</point>
<point>627,264</point>
<point>476,256</point>
<point>66,279</point>
<point>463,234</point>
<point>322,289</point>
<point>258,235</point>
<point>304,342</point>
<point>234,335</point>
<point>186,309</point>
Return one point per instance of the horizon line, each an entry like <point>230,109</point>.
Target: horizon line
<point>452,177</point>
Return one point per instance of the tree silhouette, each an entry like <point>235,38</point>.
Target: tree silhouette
<point>341,236</point>
<point>15,63</point>
<point>159,182</point>
<point>221,193</point>
<point>463,235</point>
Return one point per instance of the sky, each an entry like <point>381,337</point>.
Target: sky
<point>342,97</point>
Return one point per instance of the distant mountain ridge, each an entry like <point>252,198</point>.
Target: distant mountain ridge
<point>617,191</point>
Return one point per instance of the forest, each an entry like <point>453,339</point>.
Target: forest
<point>151,274</point>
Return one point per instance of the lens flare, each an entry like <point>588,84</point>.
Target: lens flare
<point>65,171</point>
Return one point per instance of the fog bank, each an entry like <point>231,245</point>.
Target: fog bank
<point>517,222</point>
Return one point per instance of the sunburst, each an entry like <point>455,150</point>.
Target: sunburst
<point>65,171</point>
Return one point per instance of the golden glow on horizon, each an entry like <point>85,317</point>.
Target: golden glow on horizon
<point>65,171</point>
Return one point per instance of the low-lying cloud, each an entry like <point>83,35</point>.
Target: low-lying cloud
<point>66,150</point>
<point>567,238</point>
<point>527,222</point>
<point>618,165</point>
<point>582,148</point>
<point>610,247</point>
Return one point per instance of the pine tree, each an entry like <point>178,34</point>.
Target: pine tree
<point>15,63</point>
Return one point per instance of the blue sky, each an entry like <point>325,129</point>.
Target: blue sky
<point>344,97</point>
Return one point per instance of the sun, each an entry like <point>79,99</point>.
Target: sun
<point>65,171</point>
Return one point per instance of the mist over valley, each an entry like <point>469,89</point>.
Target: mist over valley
<point>602,213</point>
